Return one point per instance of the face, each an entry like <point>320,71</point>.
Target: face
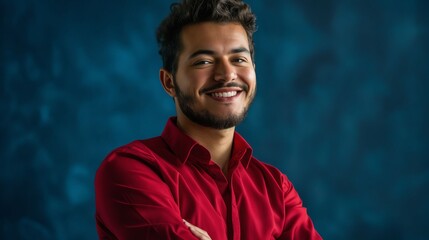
<point>215,82</point>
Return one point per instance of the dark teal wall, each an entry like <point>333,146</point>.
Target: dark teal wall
<point>342,109</point>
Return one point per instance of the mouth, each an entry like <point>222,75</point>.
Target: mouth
<point>225,95</point>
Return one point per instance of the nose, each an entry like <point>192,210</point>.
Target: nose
<point>225,71</point>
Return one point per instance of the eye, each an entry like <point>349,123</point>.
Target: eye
<point>239,60</point>
<point>202,62</point>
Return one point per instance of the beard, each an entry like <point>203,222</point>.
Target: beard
<point>204,117</point>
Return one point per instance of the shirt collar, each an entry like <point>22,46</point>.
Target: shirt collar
<point>184,146</point>
<point>241,151</point>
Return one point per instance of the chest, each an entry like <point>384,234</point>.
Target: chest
<point>243,206</point>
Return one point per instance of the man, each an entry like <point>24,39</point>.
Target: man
<point>199,180</point>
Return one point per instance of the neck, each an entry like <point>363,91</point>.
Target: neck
<point>217,141</point>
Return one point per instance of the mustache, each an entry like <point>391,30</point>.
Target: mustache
<point>243,87</point>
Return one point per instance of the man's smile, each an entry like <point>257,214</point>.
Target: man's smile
<point>225,94</point>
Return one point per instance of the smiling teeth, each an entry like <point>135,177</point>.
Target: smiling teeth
<point>224,94</point>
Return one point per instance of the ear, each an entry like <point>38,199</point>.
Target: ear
<point>167,82</point>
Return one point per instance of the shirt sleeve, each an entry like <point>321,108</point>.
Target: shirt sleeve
<point>132,202</point>
<point>297,223</point>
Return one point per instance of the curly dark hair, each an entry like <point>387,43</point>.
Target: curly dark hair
<point>190,12</point>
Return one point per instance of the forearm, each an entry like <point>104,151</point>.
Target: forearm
<point>132,202</point>
<point>297,223</point>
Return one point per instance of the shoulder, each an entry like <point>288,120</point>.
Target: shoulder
<point>139,149</point>
<point>263,167</point>
<point>269,173</point>
<point>135,155</point>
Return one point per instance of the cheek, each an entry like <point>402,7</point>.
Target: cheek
<point>249,77</point>
<point>198,79</point>
<point>189,81</point>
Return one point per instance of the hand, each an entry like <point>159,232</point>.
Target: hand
<point>198,232</point>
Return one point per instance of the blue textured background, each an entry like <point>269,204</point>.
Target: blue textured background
<point>342,109</point>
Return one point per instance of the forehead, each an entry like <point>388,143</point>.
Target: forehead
<point>217,37</point>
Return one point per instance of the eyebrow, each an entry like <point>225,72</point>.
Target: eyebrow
<point>211,52</point>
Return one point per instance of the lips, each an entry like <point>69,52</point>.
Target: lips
<point>224,94</point>
<point>222,88</point>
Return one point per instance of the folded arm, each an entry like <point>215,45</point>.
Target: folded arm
<point>132,202</point>
<point>297,223</point>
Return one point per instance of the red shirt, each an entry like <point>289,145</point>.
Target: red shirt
<point>145,189</point>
